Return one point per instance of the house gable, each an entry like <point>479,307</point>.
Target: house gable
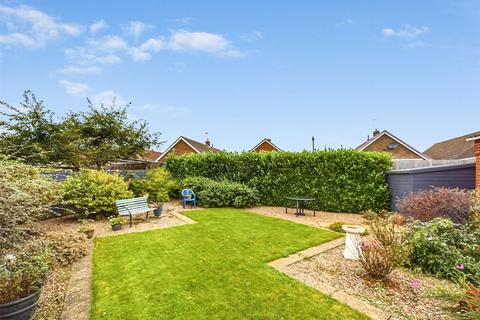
<point>265,145</point>
<point>184,145</point>
<point>387,142</point>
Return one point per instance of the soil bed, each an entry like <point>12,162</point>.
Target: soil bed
<point>396,296</point>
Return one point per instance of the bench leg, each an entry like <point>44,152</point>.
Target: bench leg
<point>130,220</point>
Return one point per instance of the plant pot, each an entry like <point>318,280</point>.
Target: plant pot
<point>116,227</point>
<point>89,233</point>
<point>21,309</point>
<point>158,212</point>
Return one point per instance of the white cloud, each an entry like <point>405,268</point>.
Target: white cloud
<point>97,26</point>
<point>137,28</point>
<point>90,56</point>
<point>80,70</point>
<point>212,43</point>
<point>108,98</point>
<point>32,28</point>
<point>109,43</point>
<point>153,45</point>
<point>138,54</point>
<point>406,32</point>
<point>74,88</point>
<point>252,36</point>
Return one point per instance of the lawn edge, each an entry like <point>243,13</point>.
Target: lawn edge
<point>341,296</point>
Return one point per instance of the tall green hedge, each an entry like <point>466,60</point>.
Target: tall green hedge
<point>340,180</point>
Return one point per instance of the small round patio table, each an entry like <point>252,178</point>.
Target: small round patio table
<point>300,207</point>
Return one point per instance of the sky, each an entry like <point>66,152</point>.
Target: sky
<point>245,70</point>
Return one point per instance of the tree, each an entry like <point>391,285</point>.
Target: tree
<point>81,139</point>
<point>104,134</point>
<point>28,132</point>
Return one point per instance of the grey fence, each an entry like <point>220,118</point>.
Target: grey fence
<point>405,181</point>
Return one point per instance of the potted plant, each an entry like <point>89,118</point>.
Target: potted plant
<point>87,228</point>
<point>21,280</point>
<point>160,209</point>
<point>116,223</point>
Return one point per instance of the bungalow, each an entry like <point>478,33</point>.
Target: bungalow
<point>386,142</point>
<point>459,148</point>
<point>266,145</point>
<point>185,145</point>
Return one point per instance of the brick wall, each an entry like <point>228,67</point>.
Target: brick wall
<point>400,152</point>
<point>265,146</point>
<point>477,170</point>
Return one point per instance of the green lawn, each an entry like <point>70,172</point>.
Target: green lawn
<point>214,269</point>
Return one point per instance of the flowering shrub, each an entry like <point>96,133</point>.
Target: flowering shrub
<point>444,249</point>
<point>383,253</point>
<point>455,204</point>
<point>25,196</point>
<point>93,193</point>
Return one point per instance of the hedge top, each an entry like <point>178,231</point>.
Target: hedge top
<point>341,180</point>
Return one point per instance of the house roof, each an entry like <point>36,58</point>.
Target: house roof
<point>364,145</point>
<point>151,155</point>
<point>269,141</point>
<point>198,147</point>
<point>456,148</point>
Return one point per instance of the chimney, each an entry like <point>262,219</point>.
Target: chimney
<point>207,142</point>
<point>375,133</point>
<point>268,139</point>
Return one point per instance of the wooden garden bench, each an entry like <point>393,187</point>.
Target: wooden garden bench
<point>129,207</point>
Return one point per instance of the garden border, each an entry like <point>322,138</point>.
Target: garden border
<point>326,289</point>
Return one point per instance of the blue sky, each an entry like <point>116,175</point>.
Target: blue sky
<point>245,70</point>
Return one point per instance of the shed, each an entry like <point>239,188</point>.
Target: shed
<point>405,181</point>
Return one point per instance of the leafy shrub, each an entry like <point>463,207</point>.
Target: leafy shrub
<point>93,192</point>
<point>384,252</point>
<point>22,272</point>
<point>340,180</point>
<point>25,196</point>
<point>197,184</point>
<point>337,227</point>
<point>156,184</point>
<point>425,205</point>
<point>116,220</point>
<point>227,194</point>
<point>444,249</point>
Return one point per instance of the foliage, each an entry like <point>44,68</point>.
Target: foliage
<point>383,253</point>
<point>87,225</point>
<point>472,299</point>
<point>425,205</point>
<point>116,220</point>
<point>22,272</point>
<point>337,227</point>
<point>340,180</point>
<point>93,193</point>
<point>25,196</point>
<point>102,134</point>
<point>227,194</point>
<point>228,249</point>
<point>197,184</point>
<point>156,185</point>
<point>28,132</point>
<point>444,249</point>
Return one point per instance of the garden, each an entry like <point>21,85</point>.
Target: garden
<point>66,253</point>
